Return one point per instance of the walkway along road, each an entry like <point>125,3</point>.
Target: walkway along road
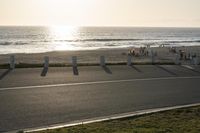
<point>36,97</point>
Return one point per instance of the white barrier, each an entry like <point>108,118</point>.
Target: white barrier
<point>129,61</point>
<point>177,59</point>
<point>12,62</point>
<point>152,57</point>
<point>196,61</point>
<point>46,61</point>
<point>74,61</point>
<point>102,61</point>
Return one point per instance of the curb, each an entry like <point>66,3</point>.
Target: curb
<point>107,118</point>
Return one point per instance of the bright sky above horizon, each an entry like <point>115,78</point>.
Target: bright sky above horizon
<point>153,13</point>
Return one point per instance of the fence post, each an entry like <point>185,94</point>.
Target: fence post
<point>152,57</point>
<point>177,60</point>
<point>46,61</point>
<point>74,61</point>
<point>12,62</point>
<point>102,61</point>
<point>129,63</point>
<point>196,61</point>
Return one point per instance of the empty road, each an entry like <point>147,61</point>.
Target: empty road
<point>39,97</point>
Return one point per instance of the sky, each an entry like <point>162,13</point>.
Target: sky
<point>145,13</point>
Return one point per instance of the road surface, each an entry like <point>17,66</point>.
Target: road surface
<point>37,97</point>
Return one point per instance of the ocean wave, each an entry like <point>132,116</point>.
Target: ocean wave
<point>102,40</point>
<point>122,40</point>
<point>193,41</point>
<point>98,40</point>
<point>5,43</point>
<point>13,43</point>
<point>21,43</point>
<point>89,40</point>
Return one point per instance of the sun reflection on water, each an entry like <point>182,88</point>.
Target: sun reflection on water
<point>63,36</point>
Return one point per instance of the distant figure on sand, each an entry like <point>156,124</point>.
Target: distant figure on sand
<point>182,54</point>
<point>172,49</point>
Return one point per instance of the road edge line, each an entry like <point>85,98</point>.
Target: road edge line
<point>111,117</point>
<point>96,82</point>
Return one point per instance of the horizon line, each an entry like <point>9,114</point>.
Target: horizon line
<point>120,26</point>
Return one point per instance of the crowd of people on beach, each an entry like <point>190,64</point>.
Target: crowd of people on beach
<point>142,51</point>
<point>145,51</point>
<point>182,53</point>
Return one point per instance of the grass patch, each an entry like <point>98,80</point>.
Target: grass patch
<point>186,120</point>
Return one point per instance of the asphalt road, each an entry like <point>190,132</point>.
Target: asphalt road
<point>35,97</point>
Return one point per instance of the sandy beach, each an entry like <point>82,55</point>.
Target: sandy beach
<point>92,56</point>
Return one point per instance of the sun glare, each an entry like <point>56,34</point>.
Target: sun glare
<point>63,32</point>
<point>62,37</point>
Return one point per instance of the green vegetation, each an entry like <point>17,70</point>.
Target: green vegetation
<point>185,120</point>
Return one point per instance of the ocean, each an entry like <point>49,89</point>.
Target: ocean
<point>60,38</point>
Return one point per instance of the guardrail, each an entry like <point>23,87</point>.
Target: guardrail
<point>102,61</point>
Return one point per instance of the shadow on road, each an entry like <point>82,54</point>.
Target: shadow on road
<point>75,71</point>
<point>44,71</point>
<point>137,69</point>
<point>107,70</point>
<point>5,73</point>
<point>166,70</point>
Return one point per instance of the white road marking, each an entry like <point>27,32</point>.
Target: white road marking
<point>96,82</point>
<point>189,67</point>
